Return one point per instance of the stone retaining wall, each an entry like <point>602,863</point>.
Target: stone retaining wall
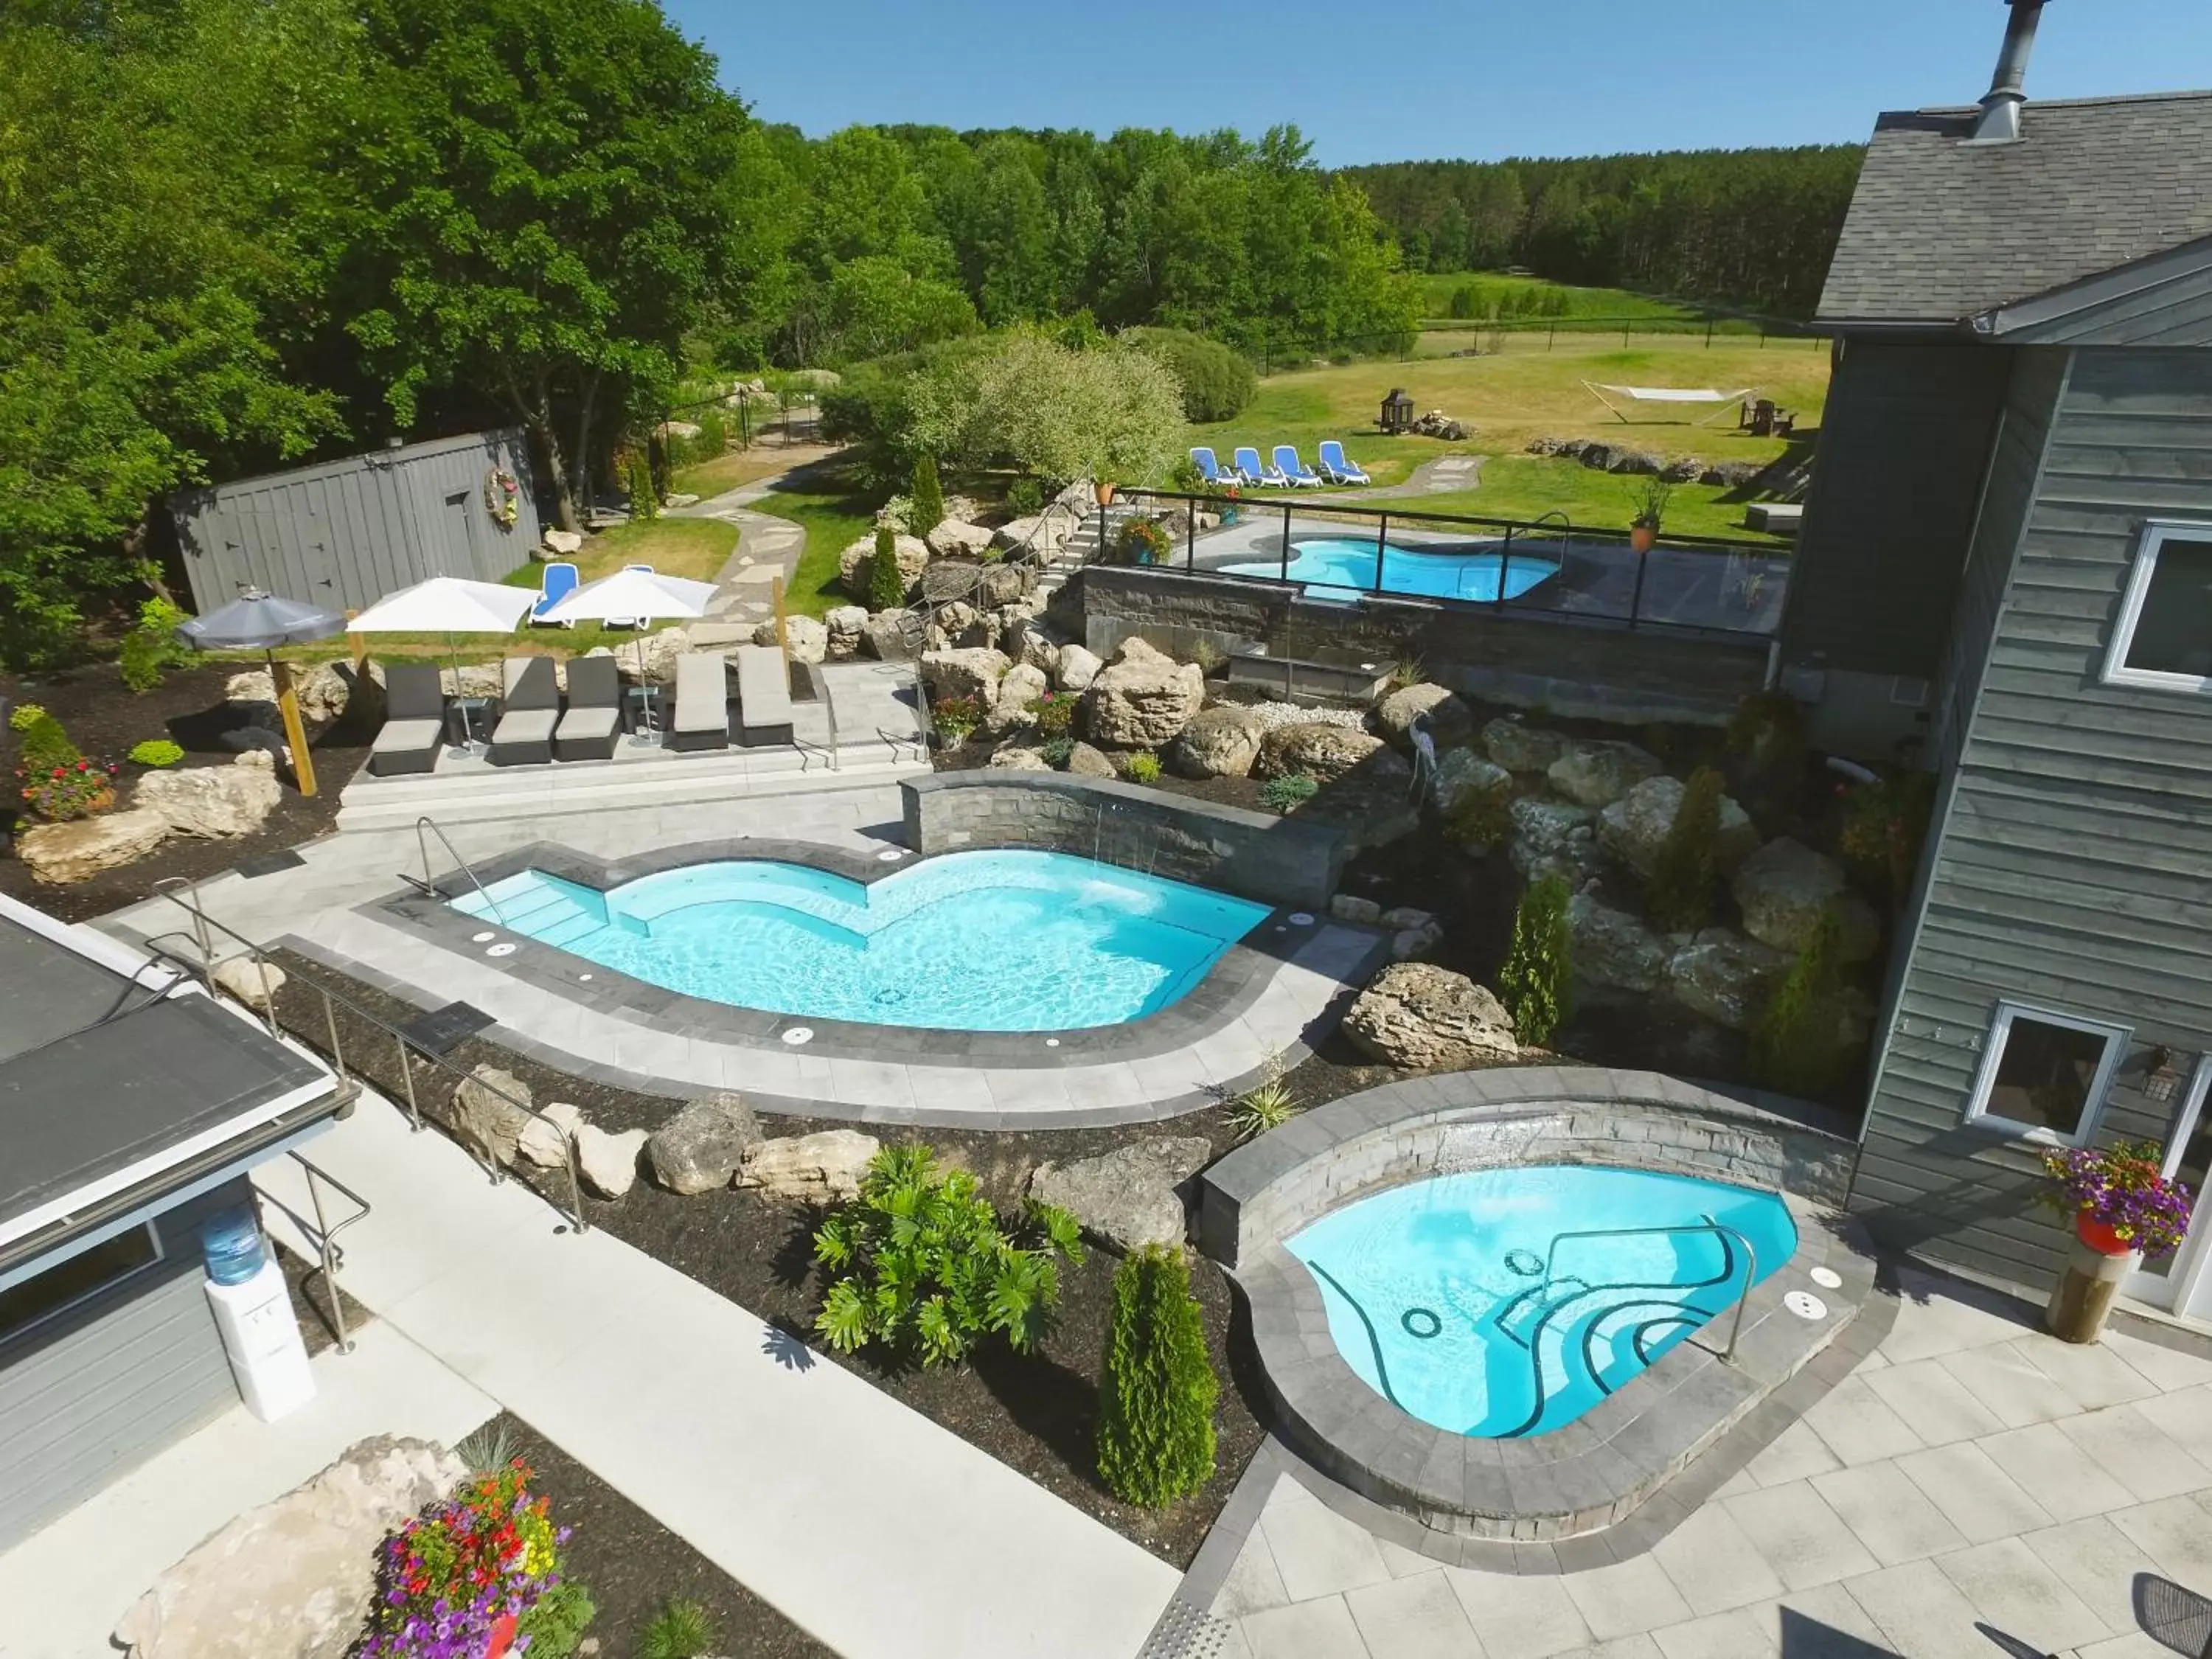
<point>1254,855</point>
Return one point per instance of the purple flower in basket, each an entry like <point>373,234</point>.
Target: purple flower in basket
<point>2120,1187</point>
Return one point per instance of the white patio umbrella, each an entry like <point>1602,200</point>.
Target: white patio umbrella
<point>642,596</point>
<point>447,605</point>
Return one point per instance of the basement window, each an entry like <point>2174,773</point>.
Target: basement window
<point>34,1301</point>
<point>2164,638</point>
<point>2044,1076</point>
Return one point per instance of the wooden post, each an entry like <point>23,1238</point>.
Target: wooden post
<point>782,628</point>
<point>295,731</point>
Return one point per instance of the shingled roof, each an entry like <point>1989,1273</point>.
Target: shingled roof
<point>1939,230</point>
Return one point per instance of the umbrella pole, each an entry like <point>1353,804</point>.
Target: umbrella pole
<point>295,731</point>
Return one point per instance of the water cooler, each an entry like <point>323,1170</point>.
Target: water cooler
<point>253,1311</point>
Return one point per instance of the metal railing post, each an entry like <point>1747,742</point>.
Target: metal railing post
<point>1189,534</point>
<point>1636,598</point>
<point>330,1268</point>
<point>331,1024</point>
<point>1504,566</point>
<point>407,1076</point>
<point>1286,573</point>
<point>1382,547</point>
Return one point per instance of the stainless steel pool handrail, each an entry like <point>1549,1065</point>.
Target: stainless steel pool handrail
<point>1703,1225</point>
<point>423,846</point>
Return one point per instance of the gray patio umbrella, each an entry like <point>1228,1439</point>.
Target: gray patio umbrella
<point>256,619</point>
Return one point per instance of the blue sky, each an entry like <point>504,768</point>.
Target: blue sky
<point>1477,78</point>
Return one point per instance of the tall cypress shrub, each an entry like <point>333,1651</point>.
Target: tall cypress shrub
<point>1689,864</point>
<point>929,509</point>
<point>1537,982</point>
<point>1156,1405</point>
<point>886,587</point>
<point>1797,1042</point>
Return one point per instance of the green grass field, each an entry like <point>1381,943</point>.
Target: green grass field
<point>832,519</point>
<point>1518,296</point>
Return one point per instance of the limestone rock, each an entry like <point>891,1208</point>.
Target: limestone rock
<point>253,983</point>
<point>260,760</point>
<point>1001,585</point>
<point>1026,640</point>
<point>1041,534</point>
<point>1725,976</point>
<point>1221,742</point>
<point>1076,668</point>
<point>1463,772</point>
<point>1598,774</point>
<point>853,564</point>
<point>1611,947</point>
<point>293,1578</point>
<point>1519,747</point>
<point>211,802</point>
<point>1424,1017</point>
<point>651,661</point>
<point>1322,751</point>
<point>1783,887</point>
<point>701,1147</point>
<point>955,538</point>
<point>1021,685</point>
<point>1144,698</point>
<point>1450,719</point>
<point>608,1163</point>
<point>847,623</point>
<point>566,542</point>
<point>1553,838</point>
<point>809,637</point>
<point>1130,1197</point>
<point>972,672</point>
<point>482,1119</point>
<point>888,637</point>
<point>1636,826</point>
<point>1019,757</point>
<point>816,1169</point>
<point>324,689</point>
<point>544,1141</point>
<point>1085,762</point>
<point>58,853</point>
<point>1360,912</point>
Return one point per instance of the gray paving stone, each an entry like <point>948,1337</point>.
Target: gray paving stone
<point>2092,1374</point>
<point>1920,1611</point>
<point>1416,1617</point>
<point>1519,1618</point>
<point>2174,1533</point>
<point>2056,1473</point>
<point>1889,1514</point>
<point>1305,1630</point>
<point>2098,1562</point>
<point>1977,1497</point>
<point>1254,1585</point>
<point>2011,1587</point>
<point>1732,1635</point>
<point>1797,1454</point>
<point>1714,1564</point>
<point>1933,1403</point>
<point>1857,1426</point>
<point>1804,1541</point>
<point>1627,1598</point>
<point>2126,1444</point>
<point>1318,1551</point>
<point>1999,1377</point>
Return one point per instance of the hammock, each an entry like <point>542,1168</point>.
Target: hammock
<point>1666,394</point>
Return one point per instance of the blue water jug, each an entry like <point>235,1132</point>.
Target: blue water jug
<point>230,1239</point>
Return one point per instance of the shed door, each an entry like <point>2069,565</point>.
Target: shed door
<point>455,553</point>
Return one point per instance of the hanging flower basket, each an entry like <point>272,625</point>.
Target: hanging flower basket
<point>2119,1201</point>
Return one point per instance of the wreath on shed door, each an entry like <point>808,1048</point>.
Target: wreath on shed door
<point>503,497</point>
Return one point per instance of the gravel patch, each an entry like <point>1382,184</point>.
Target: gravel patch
<point>1273,715</point>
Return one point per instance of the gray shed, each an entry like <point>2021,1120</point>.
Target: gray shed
<point>344,533</point>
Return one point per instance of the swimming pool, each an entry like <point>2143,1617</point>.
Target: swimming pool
<point>1334,564</point>
<point>1460,1301</point>
<point>983,941</point>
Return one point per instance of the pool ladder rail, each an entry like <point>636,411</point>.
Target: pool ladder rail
<point>1704,1223</point>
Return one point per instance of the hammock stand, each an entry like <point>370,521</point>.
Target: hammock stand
<point>1661,394</point>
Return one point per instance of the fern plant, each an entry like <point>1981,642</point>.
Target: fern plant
<point>1689,863</point>
<point>928,1269</point>
<point>1155,1440</point>
<point>1536,985</point>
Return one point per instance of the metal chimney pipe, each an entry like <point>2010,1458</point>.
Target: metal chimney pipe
<point>1999,122</point>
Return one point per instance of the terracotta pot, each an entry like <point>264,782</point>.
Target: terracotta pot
<point>1105,493</point>
<point>2099,1236</point>
<point>1642,537</point>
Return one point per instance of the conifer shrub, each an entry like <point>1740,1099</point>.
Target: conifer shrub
<point>1536,985</point>
<point>886,586</point>
<point>1143,767</point>
<point>1688,865</point>
<point>1798,1043</point>
<point>151,648</point>
<point>927,511</point>
<point>1156,1405</point>
<point>644,495</point>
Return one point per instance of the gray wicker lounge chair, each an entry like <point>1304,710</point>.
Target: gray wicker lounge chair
<point>703,703</point>
<point>763,697</point>
<point>414,721</point>
<point>587,731</point>
<point>529,711</point>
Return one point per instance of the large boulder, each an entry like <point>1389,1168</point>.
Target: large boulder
<point>854,562</point>
<point>1021,685</point>
<point>545,1139</point>
<point>1019,757</point>
<point>889,637</point>
<point>293,1578</point>
<point>1143,698</point>
<point>809,637</point>
<point>325,689</point>
<point>1450,719</point>
<point>847,623</point>
<point>1599,773</point>
<point>650,661</point>
<point>253,982</point>
<point>58,853</point>
<point>1463,772</point>
<point>1085,762</point>
<point>1725,976</point>
<point>1782,891</point>
<point>1611,947</point>
<point>212,802</point>
<point>1130,1197</point>
<point>608,1162</point>
<point>1026,640</point>
<point>1041,535</point>
<point>487,1112</point>
<point>1076,668</point>
<point>1424,1017</point>
<point>1001,584</point>
<point>1553,838</point>
<point>701,1147</point>
<point>1320,750</point>
<point>1636,826</point>
<point>816,1169</point>
<point>1519,747</point>
<point>968,671</point>
<point>955,538</point>
<point>1221,742</point>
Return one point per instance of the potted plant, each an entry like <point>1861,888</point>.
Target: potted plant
<point>2123,1209</point>
<point>1145,540</point>
<point>1649,500</point>
<point>1104,491</point>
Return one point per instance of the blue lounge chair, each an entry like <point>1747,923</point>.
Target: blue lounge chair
<point>630,622</point>
<point>1296,472</point>
<point>1251,471</point>
<point>555,583</point>
<point>1336,469</point>
<point>1210,470</point>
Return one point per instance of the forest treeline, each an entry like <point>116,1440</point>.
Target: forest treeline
<point>1749,229</point>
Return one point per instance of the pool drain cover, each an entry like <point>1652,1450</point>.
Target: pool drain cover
<point>482,938</point>
<point>499,949</point>
<point>1805,1305</point>
<point>798,1034</point>
<point>1527,1263</point>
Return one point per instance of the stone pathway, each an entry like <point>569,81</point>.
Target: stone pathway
<point>1440,476</point>
<point>767,547</point>
<point>1971,1472</point>
<point>879,1533</point>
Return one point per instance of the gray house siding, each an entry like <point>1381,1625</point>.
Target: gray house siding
<point>105,1386</point>
<point>2068,870</point>
<point>346,532</point>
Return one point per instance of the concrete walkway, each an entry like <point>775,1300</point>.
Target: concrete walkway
<point>883,1535</point>
<point>1973,1471</point>
<point>767,547</point>
<point>1441,476</point>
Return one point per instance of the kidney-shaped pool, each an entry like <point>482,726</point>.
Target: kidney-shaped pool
<point>984,941</point>
<point>1508,1301</point>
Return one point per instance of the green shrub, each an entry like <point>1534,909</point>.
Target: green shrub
<point>1215,381</point>
<point>1884,824</point>
<point>156,751</point>
<point>1267,1104</point>
<point>1537,983</point>
<point>1290,790</point>
<point>152,647</point>
<point>1799,1042</point>
<point>1054,713</point>
<point>45,743</point>
<point>1056,751</point>
<point>1156,1405</point>
<point>886,586</point>
<point>1024,497</point>
<point>954,717</point>
<point>683,1631</point>
<point>1687,867</point>
<point>928,511</point>
<point>1185,476</point>
<point>1768,730</point>
<point>1143,767</point>
<point>1482,817</point>
<point>637,479</point>
<point>926,1268</point>
<point>557,1623</point>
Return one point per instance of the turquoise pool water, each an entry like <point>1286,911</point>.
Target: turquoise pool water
<point>1439,1296</point>
<point>1340,564</point>
<point>985,941</point>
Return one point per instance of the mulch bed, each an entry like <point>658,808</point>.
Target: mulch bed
<point>105,718</point>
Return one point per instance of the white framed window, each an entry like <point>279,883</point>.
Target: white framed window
<point>2043,1075</point>
<point>2164,635</point>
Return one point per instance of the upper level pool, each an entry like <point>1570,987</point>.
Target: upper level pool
<point>977,941</point>
<point>1338,564</point>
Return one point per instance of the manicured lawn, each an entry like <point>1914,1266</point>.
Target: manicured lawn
<point>1437,287</point>
<point>730,471</point>
<point>833,519</point>
<point>1524,486</point>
